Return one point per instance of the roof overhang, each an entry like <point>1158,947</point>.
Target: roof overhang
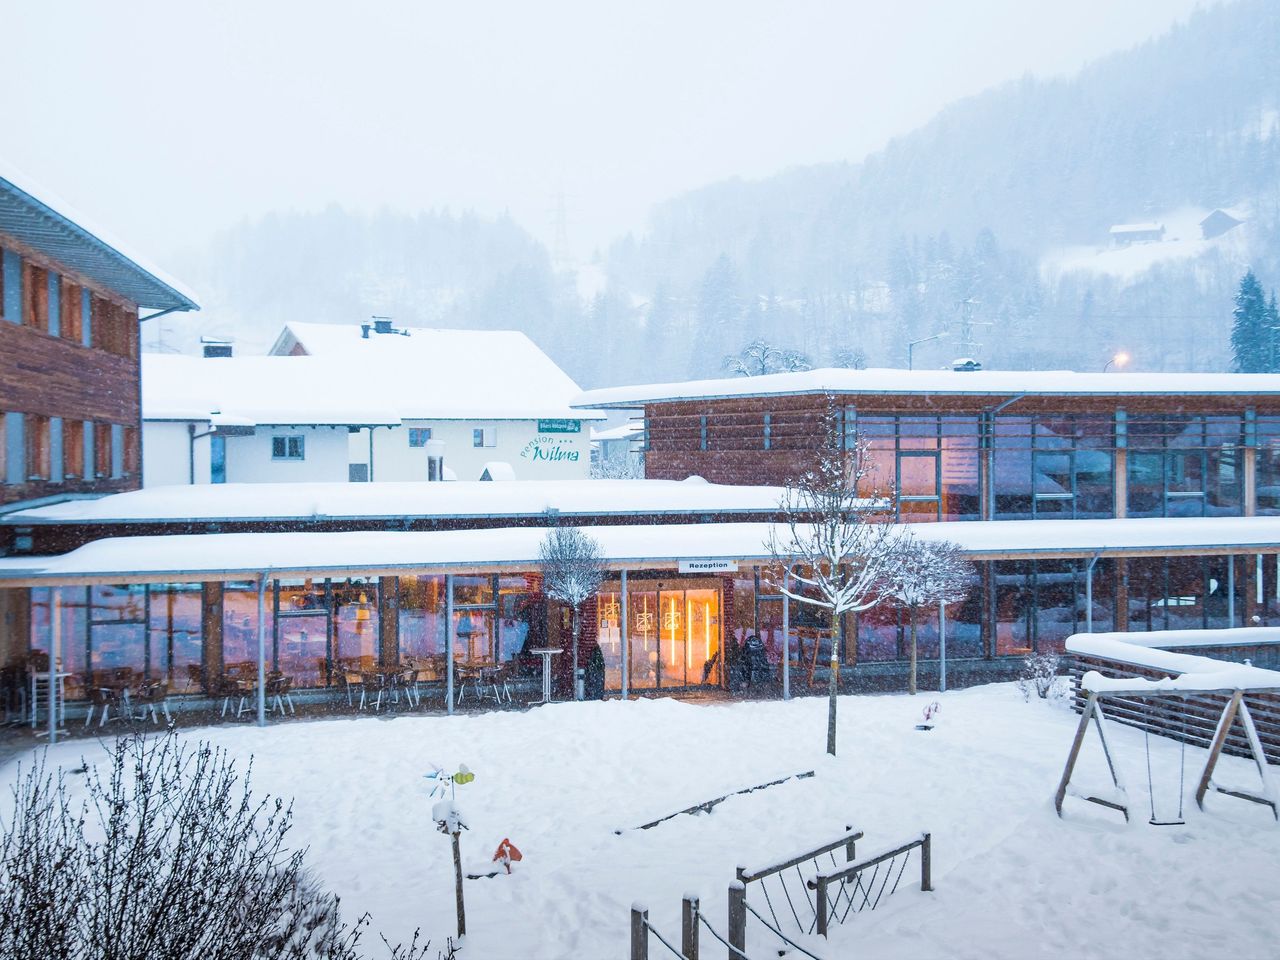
<point>38,225</point>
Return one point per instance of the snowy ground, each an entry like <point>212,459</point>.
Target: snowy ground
<point>1011,879</point>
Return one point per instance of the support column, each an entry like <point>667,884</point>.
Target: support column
<point>448,642</point>
<point>262,650</point>
<point>1122,484</point>
<point>786,635</point>
<point>626,642</point>
<point>1122,595</point>
<point>389,621</point>
<point>1250,482</point>
<point>1231,590</point>
<point>942,648</point>
<point>211,633</point>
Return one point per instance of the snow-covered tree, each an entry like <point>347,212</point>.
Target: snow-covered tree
<point>572,571</point>
<point>1251,335</point>
<point>922,574</point>
<point>760,357</point>
<point>837,540</point>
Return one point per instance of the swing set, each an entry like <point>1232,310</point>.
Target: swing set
<point>1100,688</point>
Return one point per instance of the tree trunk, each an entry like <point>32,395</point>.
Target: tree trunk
<point>833,685</point>
<point>911,677</point>
<point>576,630</point>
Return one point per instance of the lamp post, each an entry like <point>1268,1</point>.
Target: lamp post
<point>1120,359</point>
<point>911,346</point>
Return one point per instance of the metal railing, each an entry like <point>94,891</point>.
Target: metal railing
<point>792,893</point>
<point>854,893</point>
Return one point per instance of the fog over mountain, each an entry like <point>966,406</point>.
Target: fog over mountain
<point>989,225</point>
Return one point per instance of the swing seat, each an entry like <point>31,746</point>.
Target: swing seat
<point>1167,823</point>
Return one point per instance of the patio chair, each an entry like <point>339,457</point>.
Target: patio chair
<point>500,678</point>
<point>279,687</point>
<point>153,695</point>
<point>195,678</point>
<point>231,688</point>
<point>351,680</point>
<point>102,698</point>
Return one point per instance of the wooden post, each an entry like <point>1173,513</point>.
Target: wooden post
<point>211,632</point>
<point>822,906</point>
<point>639,932</point>
<point>1219,738</point>
<point>457,884</point>
<point>1259,758</point>
<point>55,654</point>
<point>942,648</point>
<point>926,863</point>
<point>689,928</point>
<point>1081,728</point>
<point>737,919</point>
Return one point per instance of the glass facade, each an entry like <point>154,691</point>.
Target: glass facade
<point>1185,466</point>
<point>673,634</point>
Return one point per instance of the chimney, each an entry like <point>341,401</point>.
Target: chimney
<point>435,460</point>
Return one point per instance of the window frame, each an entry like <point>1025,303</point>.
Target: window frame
<point>286,442</point>
<point>419,436</point>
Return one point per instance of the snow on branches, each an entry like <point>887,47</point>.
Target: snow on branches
<point>922,574</point>
<point>572,571</point>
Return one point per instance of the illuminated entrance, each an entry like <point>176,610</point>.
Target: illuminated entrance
<point>673,632</point>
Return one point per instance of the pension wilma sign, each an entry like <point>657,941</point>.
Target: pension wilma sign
<point>550,450</point>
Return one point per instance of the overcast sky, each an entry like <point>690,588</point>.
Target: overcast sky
<point>168,121</point>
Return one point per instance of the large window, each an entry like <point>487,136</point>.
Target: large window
<point>673,634</point>
<point>931,463</point>
<point>1053,467</point>
<point>418,436</point>
<point>1184,466</point>
<point>300,642</point>
<point>1267,466</point>
<point>15,449</point>
<point>422,610</point>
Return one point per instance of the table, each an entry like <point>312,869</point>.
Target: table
<point>547,653</point>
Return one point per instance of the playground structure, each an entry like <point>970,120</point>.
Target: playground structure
<point>1232,682</point>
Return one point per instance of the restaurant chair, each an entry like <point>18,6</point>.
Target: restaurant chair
<point>151,696</point>
<point>195,678</point>
<point>101,698</point>
<point>501,677</point>
<point>378,681</point>
<point>352,680</point>
<point>232,688</point>
<point>279,687</point>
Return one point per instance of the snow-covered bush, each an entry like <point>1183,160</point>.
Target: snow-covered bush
<point>166,854</point>
<point>1040,676</point>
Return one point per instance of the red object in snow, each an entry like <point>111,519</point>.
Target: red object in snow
<point>507,852</point>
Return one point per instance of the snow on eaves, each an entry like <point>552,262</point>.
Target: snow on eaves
<point>997,383</point>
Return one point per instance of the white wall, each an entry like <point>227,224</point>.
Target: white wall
<point>166,453</point>
<point>518,442</point>
<point>249,458</point>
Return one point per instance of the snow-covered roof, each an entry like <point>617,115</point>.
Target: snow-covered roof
<point>995,383</point>
<point>1153,650</point>
<point>628,431</point>
<point>235,555</point>
<point>1137,228</point>
<point>385,379</point>
<point>39,218</point>
<point>348,501</point>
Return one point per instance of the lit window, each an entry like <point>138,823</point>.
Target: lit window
<point>418,436</point>
<point>484,437</point>
<point>288,448</point>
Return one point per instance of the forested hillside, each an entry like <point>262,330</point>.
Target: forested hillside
<point>989,226</point>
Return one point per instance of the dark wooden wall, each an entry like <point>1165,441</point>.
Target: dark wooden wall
<point>47,375</point>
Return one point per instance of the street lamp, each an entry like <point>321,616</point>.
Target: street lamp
<point>911,346</point>
<point>1120,359</point>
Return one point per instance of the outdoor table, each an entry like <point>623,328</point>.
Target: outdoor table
<point>547,653</point>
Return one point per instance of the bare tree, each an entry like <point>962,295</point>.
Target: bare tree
<point>850,358</point>
<point>836,540</point>
<point>168,855</point>
<point>923,574</point>
<point>572,571</point>
<point>760,357</point>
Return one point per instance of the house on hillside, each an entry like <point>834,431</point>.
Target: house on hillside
<point>1127,234</point>
<point>363,402</point>
<point>1218,223</point>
